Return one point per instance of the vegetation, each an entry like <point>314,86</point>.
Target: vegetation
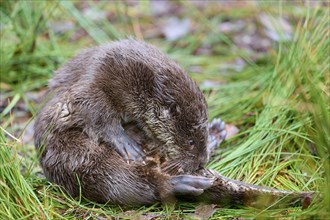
<point>277,95</point>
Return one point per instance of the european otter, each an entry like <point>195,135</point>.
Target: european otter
<point>128,101</point>
<point>82,142</point>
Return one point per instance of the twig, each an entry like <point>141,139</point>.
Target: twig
<point>13,137</point>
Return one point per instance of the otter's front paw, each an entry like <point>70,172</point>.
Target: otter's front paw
<point>217,134</point>
<point>128,148</point>
<point>190,185</point>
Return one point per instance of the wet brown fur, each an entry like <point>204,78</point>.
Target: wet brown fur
<point>89,99</point>
<point>130,90</point>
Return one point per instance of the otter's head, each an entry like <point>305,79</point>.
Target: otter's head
<point>180,123</point>
<point>187,151</point>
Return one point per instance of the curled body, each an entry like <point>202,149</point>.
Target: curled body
<point>124,124</point>
<point>79,131</point>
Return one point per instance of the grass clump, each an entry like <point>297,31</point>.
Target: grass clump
<point>288,145</point>
<point>17,196</point>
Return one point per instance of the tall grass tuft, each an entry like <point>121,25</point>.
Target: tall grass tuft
<point>287,146</point>
<point>18,199</point>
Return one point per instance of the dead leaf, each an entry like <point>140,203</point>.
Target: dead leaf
<point>204,211</point>
<point>176,28</point>
<point>136,215</point>
<point>159,8</point>
<point>210,84</point>
<point>234,26</point>
<point>131,214</point>
<point>276,28</point>
<point>232,130</point>
<point>61,27</point>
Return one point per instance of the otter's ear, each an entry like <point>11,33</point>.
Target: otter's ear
<point>175,109</point>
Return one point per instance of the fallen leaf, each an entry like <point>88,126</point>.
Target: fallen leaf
<point>159,8</point>
<point>235,26</point>
<point>136,215</point>
<point>276,28</point>
<point>131,214</point>
<point>61,27</point>
<point>176,28</point>
<point>210,84</point>
<point>232,130</point>
<point>204,211</point>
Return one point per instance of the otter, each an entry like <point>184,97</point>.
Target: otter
<point>124,124</point>
<point>79,131</point>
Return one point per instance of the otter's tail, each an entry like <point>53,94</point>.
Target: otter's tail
<point>229,192</point>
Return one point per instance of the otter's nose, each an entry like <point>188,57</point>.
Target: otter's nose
<point>203,162</point>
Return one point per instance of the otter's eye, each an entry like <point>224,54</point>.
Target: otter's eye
<point>191,142</point>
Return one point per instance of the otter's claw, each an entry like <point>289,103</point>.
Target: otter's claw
<point>217,134</point>
<point>128,149</point>
<point>190,185</point>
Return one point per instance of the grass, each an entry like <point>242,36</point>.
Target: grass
<point>280,101</point>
